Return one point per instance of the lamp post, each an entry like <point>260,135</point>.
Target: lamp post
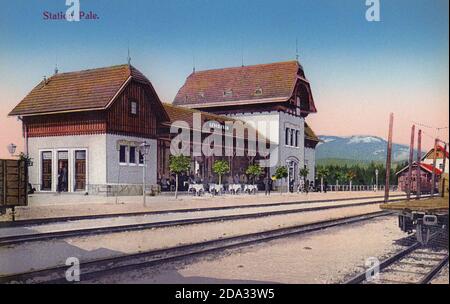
<point>376,179</point>
<point>144,149</point>
<point>12,149</point>
<point>290,164</point>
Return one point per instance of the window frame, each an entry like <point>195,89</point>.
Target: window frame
<point>132,102</point>
<point>125,155</point>
<point>130,154</point>
<point>286,136</point>
<point>139,158</point>
<point>291,137</point>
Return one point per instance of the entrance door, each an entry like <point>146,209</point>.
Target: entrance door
<point>46,171</point>
<point>80,170</point>
<point>63,171</point>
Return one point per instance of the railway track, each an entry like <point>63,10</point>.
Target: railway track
<point>43,221</point>
<point>414,265</point>
<point>93,269</point>
<point>33,237</point>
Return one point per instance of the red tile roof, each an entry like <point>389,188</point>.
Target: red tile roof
<point>276,82</point>
<point>430,168</point>
<point>441,148</point>
<point>426,167</point>
<point>92,89</point>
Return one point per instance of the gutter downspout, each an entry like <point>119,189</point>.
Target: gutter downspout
<point>25,134</point>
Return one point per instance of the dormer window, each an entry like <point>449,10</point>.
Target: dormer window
<point>228,93</point>
<point>133,107</point>
<point>258,91</point>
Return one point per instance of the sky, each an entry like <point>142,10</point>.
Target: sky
<point>359,71</point>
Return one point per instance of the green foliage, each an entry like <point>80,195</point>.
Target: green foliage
<point>254,171</point>
<point>322,172</point>
<point>221,167</point>
<point>358,173</point>
<point>25,158</point>
<point>281,172</point>
<point>304,172</point>
<point>350,175</point>
<point>179,163</point>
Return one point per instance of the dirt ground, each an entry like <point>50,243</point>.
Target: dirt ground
<point>54,205</point>
<point>37,255</point>
<point>327,256</point>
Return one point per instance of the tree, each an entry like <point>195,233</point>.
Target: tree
<point>254,171</point>
<point>304,173</point>
<point>280,173</point>
<point>322,173</point>
<point>177,165</point>
<point>350,176</point>
<point>221,167</point>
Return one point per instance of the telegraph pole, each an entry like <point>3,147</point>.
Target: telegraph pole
<point>433,174</point>
<point>388,157</point>
<point>411,158</point>
<point>419,159</point>
<point>443,171</point>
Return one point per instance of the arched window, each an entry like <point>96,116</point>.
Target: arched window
<point>286,137</point>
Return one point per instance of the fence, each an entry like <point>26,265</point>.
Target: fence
<point>360,188</point>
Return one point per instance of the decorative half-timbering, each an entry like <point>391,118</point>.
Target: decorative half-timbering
<point>75,126</point>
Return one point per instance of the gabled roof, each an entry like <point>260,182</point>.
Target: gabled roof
<point>439,148</point>
<point>425,167</point>
<point>309,134</point>
<point>93,89</point>
<point>262,83</point>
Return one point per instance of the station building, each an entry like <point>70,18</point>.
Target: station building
<point>93,122</point>
<point>276,93</point>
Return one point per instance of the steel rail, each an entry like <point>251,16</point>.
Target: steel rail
<point>18,239</point>
<point>362,277</point>
<point>436,269</point>
<point>95,268</point>
<point>43,221</point>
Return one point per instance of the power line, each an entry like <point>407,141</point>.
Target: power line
<point>428,126</point>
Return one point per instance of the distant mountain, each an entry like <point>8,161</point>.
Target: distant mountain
<point>358,149</point>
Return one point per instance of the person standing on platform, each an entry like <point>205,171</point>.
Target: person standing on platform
<point>267,182</point>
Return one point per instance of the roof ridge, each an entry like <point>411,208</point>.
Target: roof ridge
<point>93,69</point>
<point>245,66</point>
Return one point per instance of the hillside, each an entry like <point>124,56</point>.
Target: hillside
<point>358,149</point>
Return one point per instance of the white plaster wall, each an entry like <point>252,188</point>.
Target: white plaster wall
<point>278,121</point>
<point>96,155</point>
<point>288,152</point>
<point>129,174</point>
<point>439,163</point>
<point>310,157</point>
<point>271,118</point>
